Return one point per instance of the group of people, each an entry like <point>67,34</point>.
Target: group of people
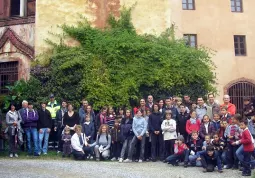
<point>172,130</point>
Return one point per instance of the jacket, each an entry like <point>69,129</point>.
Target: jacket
<point>179,149</point>
<point>181,122</point>
<point>155,122</point>
<point>227,118</point>
<point>139,126</point>
<point>88,129</point>
<point>169,129</point>
<point>44,120</point>
<point>174,111</point>
<point>231,108</point>
<point>53,108</point>
<point>195,145</point>
<point>100,119</point>
<point>204,110</point>
<point>216,125</point>
<point>116,134</point>
<point>60,117</point>
<point>215,158</point>
<point>247,141</point>
<point>75,142</point>
<point>232,130</point>
<point>215,107</point>
<point>82,115</point>
<point>192,127</point>
<point>30,118</point>
<point>202,131</point>
<point>249,110</point>
<point>219,146</point>
<point>126,128</point>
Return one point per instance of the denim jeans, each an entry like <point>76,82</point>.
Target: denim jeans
<point>172,159</point>
<point>125,147</point>
<point>32,133</point>
<point>239,153</point>
<point>43,136</point>
<point>133,145</point>
<point>192,159</point>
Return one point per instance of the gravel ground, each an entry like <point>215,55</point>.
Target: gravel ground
<point>68,168</point>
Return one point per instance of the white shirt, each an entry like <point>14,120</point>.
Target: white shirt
<point>206,127</point>
<point>75,142</point>
<point>169,129</point>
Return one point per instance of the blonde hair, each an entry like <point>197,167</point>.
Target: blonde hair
<point>77,127</point>
<point>100,129</point>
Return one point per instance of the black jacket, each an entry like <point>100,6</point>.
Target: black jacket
<point>126,128</point>
<point>155,121</point>
<point>116,134</point>
<point>89,129</point>
<point>181,122</point>
<point>44,120</point>
<point>195,145</point>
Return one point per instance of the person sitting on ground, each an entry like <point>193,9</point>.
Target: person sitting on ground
<point>103,143</point>
<point>79,144</point>
<point>210,159</point>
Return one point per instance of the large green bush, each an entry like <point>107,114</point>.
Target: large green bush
<point>116,66</point>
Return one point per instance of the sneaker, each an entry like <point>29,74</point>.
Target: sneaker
<point>44,153</point>
<point>127,161</point>
<point>204,170</point>
<point>246,173</point>
<point>225,166</point>
<point>58,152</point>
<point>36,154</point>
<point>91,157</point>
<point>120,160</point>
<point>113,159</point>
<point>16,155</point>
<point>39,153</point>
<point>220,171</point>
<point>140,161</point>
<point>185,165</point>
<point>11,155</point>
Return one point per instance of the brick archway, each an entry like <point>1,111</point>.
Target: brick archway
<point>233,82</point>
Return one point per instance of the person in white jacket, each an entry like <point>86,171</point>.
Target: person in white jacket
<point>168,127</point>
<point>79,144</point>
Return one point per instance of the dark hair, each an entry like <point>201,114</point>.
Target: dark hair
<point>209,148</point>
<point>238,117</point>
<point>154,105</point>
<point>206,116</point>
<point>182,105</point>
<point>103,108</point>
<point>246,98</point>
<point>224,107</point>
<point>169,98</point>
<point>191,111</point>
<point>245,121</point>
<point>167,112</point>
<point>12,104</point>
<point>210,94</point>
<point>216,113</point>
<point>200,97</point>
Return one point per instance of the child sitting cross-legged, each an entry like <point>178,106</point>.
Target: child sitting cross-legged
<point>210,159</point>
<point>180,148</point>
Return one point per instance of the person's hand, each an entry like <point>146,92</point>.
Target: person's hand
<point>155,132</point>
<point>55,129</point>
<point>230,137</point>
<point>176,142</point>
<point>203,148</point>
<point>198,159</point>
<point>139,137</point>
<point>40,131</point>
<point>86,144</point>
<point>67,126</point>
<point>48,131</point>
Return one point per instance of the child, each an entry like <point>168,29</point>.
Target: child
<point>179,104</point>
<point>88,128</point>
<point>139,128</point>
<point>207,142</point>
<point>182,119</point>
<point>216,122</point>
<point>223,126</point>
<point>193,124</point>
<point>110,119</point>
<point>195,145</point>
<point>66,138</point>
<point>157,141</point>
<point>116,140</point>
<point>232,135</point>
<point>127,133</point>
<point>249,112</point>
<point>210,159</point>
<point>168,127</point>
<point>225,116</point>
<point>101,118</point>
<point>248,146</point>
<point>180,148</point>
<point>219,146</point>
<point>206,127</point>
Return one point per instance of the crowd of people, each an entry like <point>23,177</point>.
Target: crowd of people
<point>173,130</point>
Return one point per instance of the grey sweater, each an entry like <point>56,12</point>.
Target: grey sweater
<point>103,141</point>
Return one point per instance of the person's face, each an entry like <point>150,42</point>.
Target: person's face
<point>43,105</point>
<point>200,101</point>
<point>25,105</point>
<point>210,153</point>
<point>207,139</point>
<point>194,136</point>
<point>193,105</point>
<point>168,102</point>
<point>223,111</point>
<point>70,108</point>
<point>87,119</point>
<point>148,112</point>
<point>85,104</point>
<point>30,106</point>
<point>183,109</point>
<point>67,132</point>
<point>150,99</point>
<point>52,100</point>
<point>180,142</point>
<point>246,102</point>
<point>234,121</point>
<point>161,103</point>
<point>242,125</point>
<point>110,110</point>
<point>104,111</point>
<point>179,102</point>
<point>12,107</point>
<point>142,102</point>
<point>103,129</point>
<point>64,104</point>
<point>224,124</point>
<point>116,124</point>
<point>78,131</point>
<point>121,112</point>
<point>216,117</point>
<point>226,99</point>
<point>186,98</point>
<point>88,109</point>
<point>193,115</point>
<point>205,119</point>
<point>168,116</point>
<point>216,138</point>
<point>211,99</point>
<point>155,107</point>
<point>128,113</point>
<point>139,114</point>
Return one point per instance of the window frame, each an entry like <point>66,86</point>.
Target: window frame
<point>189,39</point>
<point>187,5</point>
<point>235,6</point>
<point>238,42</point>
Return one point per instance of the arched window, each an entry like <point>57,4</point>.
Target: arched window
<point>240,90</point>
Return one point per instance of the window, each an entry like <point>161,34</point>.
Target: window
<point>188,4</point>
<point>240,45</point>
<point>236,5</point>
<point>15,7</point>
<point>8,75</point>
<point>191,40</point>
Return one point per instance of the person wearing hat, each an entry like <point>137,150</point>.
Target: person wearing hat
<point>44,128</point>
<point>180,149</point>
<point>53,107</point>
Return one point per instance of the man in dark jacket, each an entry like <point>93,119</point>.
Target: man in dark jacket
<point>155,121</point>
<point>44,126</point>
<point>171,107</point>
<point>181,122</point>
<point>60,125</point>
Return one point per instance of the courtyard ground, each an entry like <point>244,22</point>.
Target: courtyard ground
<point>66,168</point>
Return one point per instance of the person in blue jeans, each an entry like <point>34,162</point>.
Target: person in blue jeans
<point>30,118</point>
<point>44,128</point>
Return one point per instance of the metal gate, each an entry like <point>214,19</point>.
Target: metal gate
<point>238,91</point>
<point>8,75</point>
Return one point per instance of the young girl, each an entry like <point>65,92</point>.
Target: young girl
<point>88,128</point>
<point>116,140</point>
<point>225,116</point>
<point>216,122</point>
<point>127,133</point>
<point>66,138</point>
<point>101,118</point>
<point>161,105</point>
<point>110,118</point>
<point>206,127</point>
<point>223,126</point>
<point>103,143</point>
<point>193,124</point>
<point>168,127</point>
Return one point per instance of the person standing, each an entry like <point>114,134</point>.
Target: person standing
<point>213,104</point>
<point>30,127</point>
<point>231,108</point>
<point>183,117</point>
<point>44,127</point>
<point>202,109</point>
<point>187,102</point>
<point>71,119</point>
<point>60,124</point>
<point>53,107</point>
<point>82,110</point>
<point>21,113</point>
<point>171,107</point>
<point>149,103</point>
